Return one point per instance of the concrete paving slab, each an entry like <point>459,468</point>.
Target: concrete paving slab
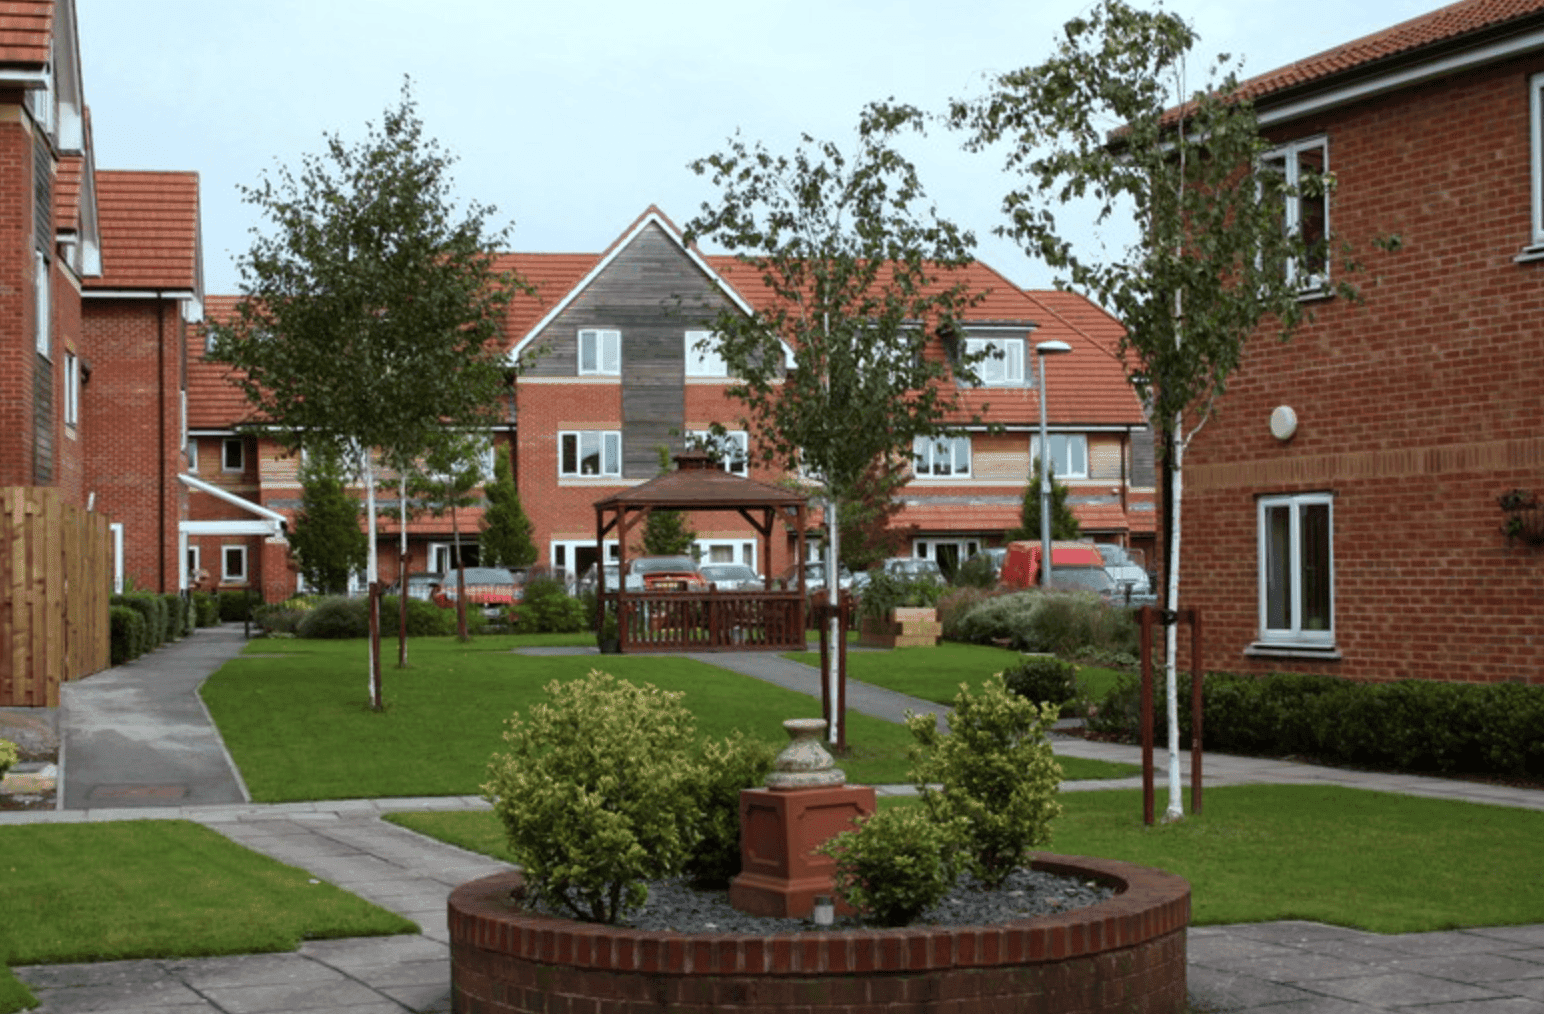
<point>285,997</point>
<point>1402,989</point>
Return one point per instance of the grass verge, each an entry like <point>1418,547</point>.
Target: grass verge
<point>1348,857</point>
<point>157,889</point>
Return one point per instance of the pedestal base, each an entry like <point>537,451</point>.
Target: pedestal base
<point>780,873</point>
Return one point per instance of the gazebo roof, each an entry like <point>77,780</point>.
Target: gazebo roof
<point>697,484</point>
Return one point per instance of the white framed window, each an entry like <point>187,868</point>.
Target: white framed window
<point>1003,364</point>
<point>194,564</point>
<point>703,358</point>
<point>940,457</point>
<point>116,528</point>
<point>233,456</point>
<point>732,449</point>
<point>1069,454</point>
<point>1536,147</point>
<point>1297,570</point>
<point>233,564</point>
<point>71,389</point>
<point>192,451</point>
<point>726,551</point>
<point>574,557</point>
<point>44,307</point>
<point>600,353</point>
<point>1305,214</point>
<point>586,453</point>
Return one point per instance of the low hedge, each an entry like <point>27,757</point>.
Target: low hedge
<point>206,609</point>
<point>1408,725</point>
<point>338,617</point>
<point>1070,624</point>
<point>152,610</point>
<point>126,634</point>
<point>236,602</point>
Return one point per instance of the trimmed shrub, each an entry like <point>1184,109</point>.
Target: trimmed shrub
<point>424,619</point>
<point>546,607</point>
<point>895,866</point>
<point>998,776</point>
<point>152,609</point>
<point>1043,679</point>
<point>1408,725</point>
<point>236,602</point>
<point>886,591</point>
<point>336,618</point>
<point>176,611</point>
<point>1064,623</point>
<point>596,793</point>
<point>9,755</point>
<point>283,617</point>
<point>207,609</point>
<point>738,762</point>
<point>126,633</point>
<point>955,604</point>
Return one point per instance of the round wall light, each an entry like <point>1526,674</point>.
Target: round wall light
<point>1283,422</point>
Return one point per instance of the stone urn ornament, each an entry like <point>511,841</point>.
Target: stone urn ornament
<point>804,762</point>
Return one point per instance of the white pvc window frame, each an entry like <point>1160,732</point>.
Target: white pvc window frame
<point>941,457</point>
<point>577,447</point>
<point>733,448</point>
<point>226,457</point>
<point>599,352</point>
<point>1536,150</point>
<point>1003,365</point>
<point>1289,158</point>
<point>1069,454</point>
<point>233,553</point>
<point>1296,570</point>
<point>71,389</point>
<point>703,359</point>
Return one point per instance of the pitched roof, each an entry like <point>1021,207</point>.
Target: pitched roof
<point>26,29</point>
<point>553,275</point>
<point>67,193</point>
<point>214,401</point>
<point>1450,26</point>
<point>150,230</point>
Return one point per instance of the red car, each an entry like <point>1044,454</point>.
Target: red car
<point>665,573</point>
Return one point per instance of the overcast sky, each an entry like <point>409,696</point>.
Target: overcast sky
<point>573,117</point>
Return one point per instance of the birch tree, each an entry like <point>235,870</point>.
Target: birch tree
<point>858,269</point>
<point>370,307</point>
<point>1230,237</point>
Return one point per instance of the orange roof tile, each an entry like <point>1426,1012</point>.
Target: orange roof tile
<point>214,402</point>
<point>1003,517</point>
<point>1441,27</point>
<point>150,230</point>
<point>553,275</point>
<point>26,28</point>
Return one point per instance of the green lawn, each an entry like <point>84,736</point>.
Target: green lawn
<point>157,889</point>
<point>1348,857</point>
<point>295,714</point>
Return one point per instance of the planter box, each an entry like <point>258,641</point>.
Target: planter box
<point>908,627</point>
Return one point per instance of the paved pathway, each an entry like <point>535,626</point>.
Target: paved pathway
<point>1267,968</point>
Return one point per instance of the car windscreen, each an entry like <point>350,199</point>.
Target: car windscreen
<point>675,563</point>
<point>1080,578</point>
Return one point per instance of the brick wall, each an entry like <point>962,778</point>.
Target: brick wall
<point>1416,409</point>
<point>17,351</point>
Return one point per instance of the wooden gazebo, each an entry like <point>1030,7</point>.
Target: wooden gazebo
<point>741,620</point>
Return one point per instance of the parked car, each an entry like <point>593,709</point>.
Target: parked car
<point>589,580</point>
<point>666,573</point>
<point>814,577</point>
<point>905,568</point>
<point>732,576</point>
<point>1021,566</point>
<point>418,585</point>
<point>492,589</point>
<point>1125,569</point>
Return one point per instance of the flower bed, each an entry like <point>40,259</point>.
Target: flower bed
<point>1126,953</point>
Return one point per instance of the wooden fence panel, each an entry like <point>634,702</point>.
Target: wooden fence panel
<point>55,580</point>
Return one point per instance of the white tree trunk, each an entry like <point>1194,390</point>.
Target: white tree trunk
<point>833,623</point>
<point>372,566</point>
<point>1176,808</point>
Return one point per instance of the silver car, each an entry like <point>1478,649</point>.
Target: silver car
<point>732,576</point>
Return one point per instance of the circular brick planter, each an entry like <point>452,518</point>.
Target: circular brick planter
<point>1124,954</point>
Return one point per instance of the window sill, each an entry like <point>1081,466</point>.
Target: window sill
<point>1317,294</point>
<point>1271,649</point>
<point>1529,254</point>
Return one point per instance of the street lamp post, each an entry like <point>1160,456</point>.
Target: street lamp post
<point>1042,350</point>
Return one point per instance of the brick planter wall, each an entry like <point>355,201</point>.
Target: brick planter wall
<point>907,627</point>
<point>1126,954</point>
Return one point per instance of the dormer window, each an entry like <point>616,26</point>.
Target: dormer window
<point>998,362</point>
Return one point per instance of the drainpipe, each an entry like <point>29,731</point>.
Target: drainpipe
<point>160,386</point>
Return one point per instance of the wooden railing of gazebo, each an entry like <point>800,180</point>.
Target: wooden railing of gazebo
<point>741,620</point>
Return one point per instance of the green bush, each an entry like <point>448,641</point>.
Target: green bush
<point>895,866</point>
<point>546,607</point>
<point>976,572</point>
<point>1408,725</point>
<point>126,634</point>
<point>424,618</point>
<point>282,617</point>
<point>336,618</point>
<point>9,755</point>
<point>886,591</point>
<point>236,602</point>
<point>152,609</point>
<point>207,609</point>
<point>997,772</point>
<point>176,611</point>
<point>596,793</point>
<point>957,603</point>
<point>1064,623</point>
<point>726,768</point>
<point>1043,679</point>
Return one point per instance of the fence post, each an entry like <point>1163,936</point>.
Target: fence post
<point>1197,678</point>
<point>1146,616</point>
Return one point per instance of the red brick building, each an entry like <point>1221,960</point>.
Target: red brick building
<point>618,377</point>
<point>99,274</point>
<point>1341,513</point>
